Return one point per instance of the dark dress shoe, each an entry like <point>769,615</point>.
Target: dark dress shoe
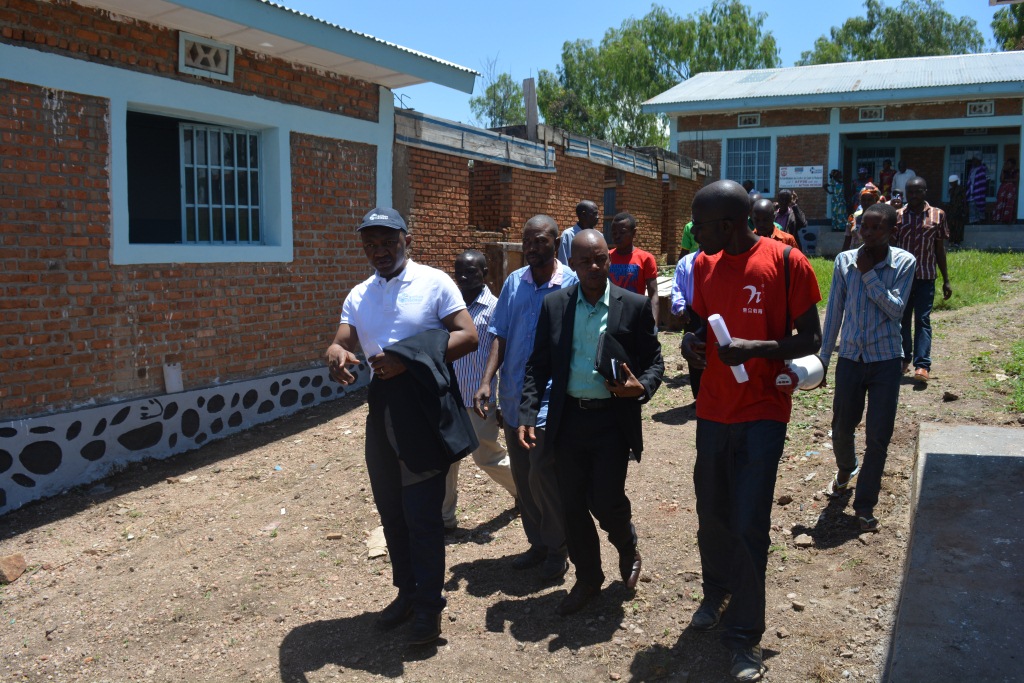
<point>426,628</point>
<point>394,614</point>
<point>629,567</point>
<point>555,567</point>
<point>531,558</point>
<point>707,615</point>
<point>581,593</point>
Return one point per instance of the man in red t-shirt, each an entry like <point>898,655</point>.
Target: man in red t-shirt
<point>632,268</point>
<point>741,426</point>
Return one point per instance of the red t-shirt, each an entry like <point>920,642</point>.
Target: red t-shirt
<point>632,271</point>
<point>748,291</point>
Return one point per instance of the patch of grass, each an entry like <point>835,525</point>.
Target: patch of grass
<point>976,277</point>
<point>850,564</point>
<point>1015,369</point>
<point>982,362</point>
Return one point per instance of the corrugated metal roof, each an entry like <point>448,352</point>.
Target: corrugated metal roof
<point>424,55</point>
<point>828,82</point>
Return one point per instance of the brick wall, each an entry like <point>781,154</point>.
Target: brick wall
<point>485,197</point>
<point>676,202</point>
<point>100,36</point>
<point>709,151</point>
<point>935,110</point>
<point>771,118</point>
<point>642,197</point>
<point>805,150</point>
<point>438,205</point>
<point>79,330</point>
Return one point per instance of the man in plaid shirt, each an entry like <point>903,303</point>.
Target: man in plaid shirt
<point>922,230</point>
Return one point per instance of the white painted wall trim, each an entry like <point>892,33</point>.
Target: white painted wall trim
<point>130,90</point>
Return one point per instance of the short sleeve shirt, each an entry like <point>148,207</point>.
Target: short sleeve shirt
<point>688,242</point>
<point>749,291</point>
<point>632,270</point>
<point>387,311</point>
<point>918,232</point>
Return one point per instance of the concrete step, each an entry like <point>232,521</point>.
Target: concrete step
<point>961,610</point>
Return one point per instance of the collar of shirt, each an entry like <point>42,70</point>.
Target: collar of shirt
<point>924,210</point>
<point>556,276</point>
<point>605,298</point>
<point>483,298</point>
<point>403,276</point>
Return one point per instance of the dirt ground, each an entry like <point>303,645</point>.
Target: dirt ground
<point>247,560</point>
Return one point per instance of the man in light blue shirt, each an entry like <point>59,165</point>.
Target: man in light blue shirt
<point>682,297</point>
<point>513,326</point>
<point>587,216</point>
<point>869,293</point>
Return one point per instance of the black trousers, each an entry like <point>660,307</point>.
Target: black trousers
<point>591,458</point>
<point>410,512</point>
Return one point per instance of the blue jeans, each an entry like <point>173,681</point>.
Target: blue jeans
<point>919,308</point>
<point>880,384</point>
<point>734,479</point>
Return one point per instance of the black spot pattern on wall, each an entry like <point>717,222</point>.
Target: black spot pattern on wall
<point>41,457</point>
<point>144,437</point>
<point>189,423</point>
<point>21,480</point>
<point>216,404</point>
<point>49,464</point>
<point>94,450</point>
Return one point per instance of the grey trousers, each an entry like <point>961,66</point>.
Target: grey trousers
<point>490,457</point>
<point>537,484</point>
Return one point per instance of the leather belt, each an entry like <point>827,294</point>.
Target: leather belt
<point>590,403</point>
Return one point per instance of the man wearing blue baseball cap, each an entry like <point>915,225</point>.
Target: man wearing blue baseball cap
<point>411,322</point>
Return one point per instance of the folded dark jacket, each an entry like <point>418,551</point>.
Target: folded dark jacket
<point>431,426</point>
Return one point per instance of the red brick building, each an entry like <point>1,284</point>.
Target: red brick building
<point>773,125</point>
<point>179,187</point>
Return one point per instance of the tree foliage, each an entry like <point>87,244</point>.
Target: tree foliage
<point>1008,27</point>
<point>598,90</point>
<point>502,102</point>
<point>916,28</point>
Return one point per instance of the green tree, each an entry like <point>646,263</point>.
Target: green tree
<point>598,91</point>
<point>502,102</point>
<point>917,28</point>
<point>1008,27</point>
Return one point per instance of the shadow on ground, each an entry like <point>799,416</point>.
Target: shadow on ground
<point>696,656</point>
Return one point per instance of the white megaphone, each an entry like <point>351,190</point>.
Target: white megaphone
<point>806,373</point>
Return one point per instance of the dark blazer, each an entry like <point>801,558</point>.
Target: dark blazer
<point>630,322</point>
<point>432,428</point>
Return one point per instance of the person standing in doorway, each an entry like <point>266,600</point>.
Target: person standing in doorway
<point>587,217</point>
<point>977,190</point>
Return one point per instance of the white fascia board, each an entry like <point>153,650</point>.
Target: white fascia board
<point>303,29</point>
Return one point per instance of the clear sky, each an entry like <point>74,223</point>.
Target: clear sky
<point>527,35</point>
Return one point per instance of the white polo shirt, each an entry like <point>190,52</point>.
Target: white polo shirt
<point>388,311</point>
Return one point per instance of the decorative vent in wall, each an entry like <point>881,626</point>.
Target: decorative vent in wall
<point>871,114</point>
<point>204,57</point>
<point>987,108</point>
<point>748,120</point>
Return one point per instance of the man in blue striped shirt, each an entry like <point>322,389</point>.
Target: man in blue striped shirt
<point>470,271</point>
<point>870,289</point>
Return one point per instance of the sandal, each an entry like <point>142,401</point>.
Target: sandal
<point>835,489</point>
<point>868,523</point>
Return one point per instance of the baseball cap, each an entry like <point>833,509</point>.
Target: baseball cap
<point>954,178</point>
<point>383,216</point>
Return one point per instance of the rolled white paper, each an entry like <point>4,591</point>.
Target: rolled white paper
<point>724,339</point>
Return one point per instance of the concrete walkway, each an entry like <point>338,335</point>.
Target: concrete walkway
<point>961,614</point>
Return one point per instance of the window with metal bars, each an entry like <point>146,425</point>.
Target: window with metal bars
<point>191,183</point>
<point>220,185</point>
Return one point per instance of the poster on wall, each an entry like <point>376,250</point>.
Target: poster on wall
<point>801,176</point>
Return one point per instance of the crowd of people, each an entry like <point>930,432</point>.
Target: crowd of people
<point>563,358</point>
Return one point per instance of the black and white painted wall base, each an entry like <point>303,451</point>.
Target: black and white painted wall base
<point>43,456</point>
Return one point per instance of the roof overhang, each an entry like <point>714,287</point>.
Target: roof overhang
<point>275,30</point>
<point>850,99</point>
